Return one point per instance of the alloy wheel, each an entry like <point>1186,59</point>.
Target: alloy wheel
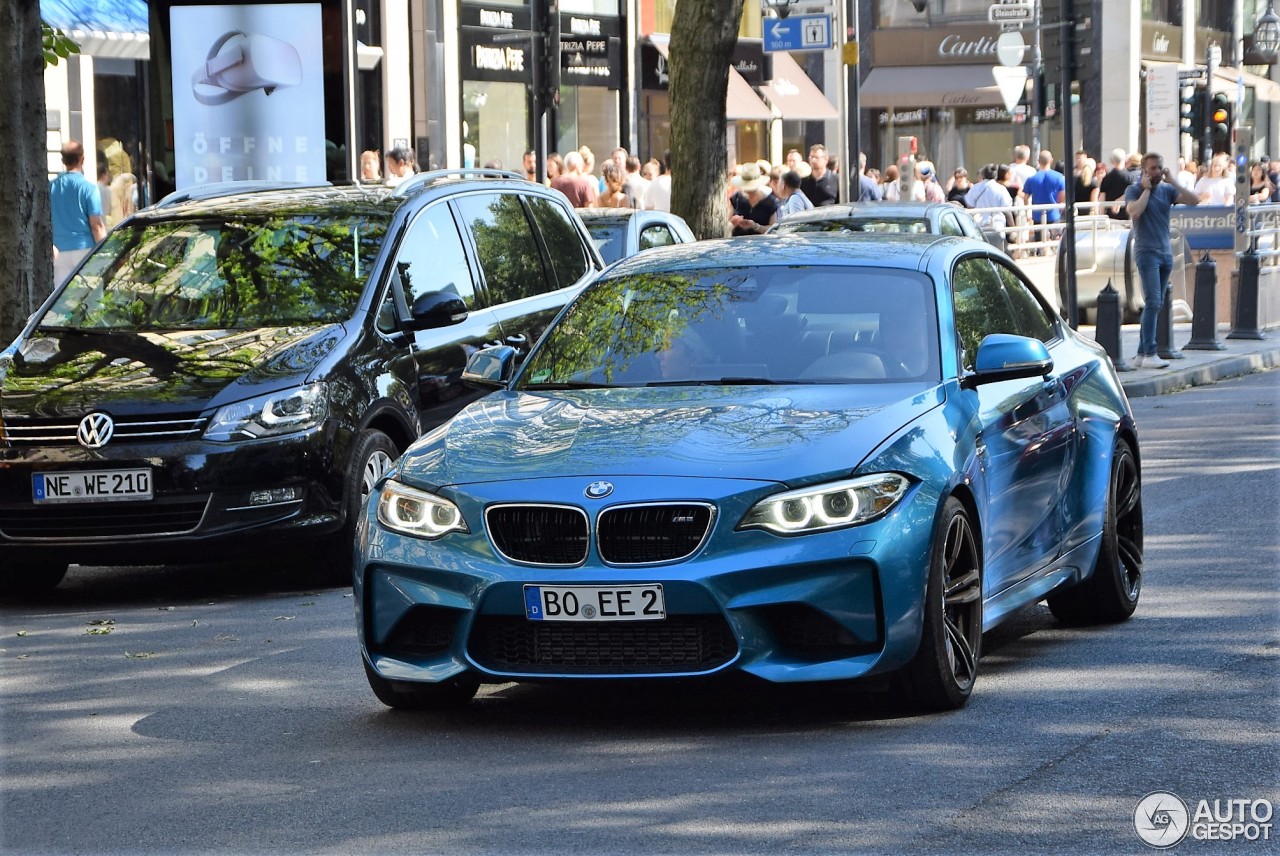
<point>962,601</point>
<point>1128,511</point>
<point>375,467</point>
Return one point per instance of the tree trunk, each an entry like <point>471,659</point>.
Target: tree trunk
<point>703,35</point>
<point>26,232</point>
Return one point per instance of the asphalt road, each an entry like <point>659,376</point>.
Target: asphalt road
<point>224,711</point>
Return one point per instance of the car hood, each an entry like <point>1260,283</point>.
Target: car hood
<point>61,372</point>
<point>790,434</point>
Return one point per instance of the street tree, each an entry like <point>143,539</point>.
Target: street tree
<point>26,232</point>
<point>703,35</point>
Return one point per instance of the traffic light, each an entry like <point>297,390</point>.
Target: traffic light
<point>1220,122</point>
<point>1192,111</point>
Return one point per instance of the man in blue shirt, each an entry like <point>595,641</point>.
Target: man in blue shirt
<point>1149,202</point>
<point>1046,187</point>
<point>76,206</point>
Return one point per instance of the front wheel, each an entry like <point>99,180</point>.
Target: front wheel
<point>1111,592</point>
<point>409,695</point>
<point>26,579</point>
<point>372,456</point>
<point>945,668</point>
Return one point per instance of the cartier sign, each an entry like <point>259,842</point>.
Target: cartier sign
<point>937,46</point>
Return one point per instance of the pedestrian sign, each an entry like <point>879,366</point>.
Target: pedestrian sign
<point>798,33</point>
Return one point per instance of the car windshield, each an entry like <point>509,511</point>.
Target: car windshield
<point>760,325</point>
<point>909,225</point>
<point>609,236</point>
<point>270,271</point>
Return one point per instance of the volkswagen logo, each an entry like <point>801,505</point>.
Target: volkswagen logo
<point>599,490</point>
<point>95,430</point>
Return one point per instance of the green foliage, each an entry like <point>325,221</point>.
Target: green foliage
<point>57,44</point>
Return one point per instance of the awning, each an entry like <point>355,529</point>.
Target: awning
<point>1228,79</point>
<point>793,94</point>
<point>930,86</point>
<point>102,28</point>
<point>741,102</point>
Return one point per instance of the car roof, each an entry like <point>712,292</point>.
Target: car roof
<point>249,197</point>
<point>873,209</point>
<point>904,251</point>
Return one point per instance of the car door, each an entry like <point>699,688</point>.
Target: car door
<point>432,257</point>
<point>1026,433</point>
<point>527,277</point>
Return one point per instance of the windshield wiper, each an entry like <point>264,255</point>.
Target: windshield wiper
<point>564,384</point>
<point>722,381</point>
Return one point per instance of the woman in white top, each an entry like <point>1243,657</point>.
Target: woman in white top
<point>1217,187</point>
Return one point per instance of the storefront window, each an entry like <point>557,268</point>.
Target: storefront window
<point>748,28</point>
<point>589,7</point>
<point>1163,11</point>
<point>495,123</point>
<point>588,116</point>
<point>903,13</point>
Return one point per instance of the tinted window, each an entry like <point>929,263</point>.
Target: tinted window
<point>509,255</point>
<point>610,238</point>
<point>950,225</point>
<point>798,324</point>
<point>981,307</point>
<point>212,274</point>
<point>1030,316</point>
<point>657,235</point>
<point>432,258</point>
<point>564,243</point>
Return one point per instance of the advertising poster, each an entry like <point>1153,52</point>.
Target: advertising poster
<point>248,93</point>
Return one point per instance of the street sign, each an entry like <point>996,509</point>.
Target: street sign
<point>1191,74</point>
<point>797,33</point>
<point>1010,48</point>
<point>1012,82</point>
<point>1009,13</point>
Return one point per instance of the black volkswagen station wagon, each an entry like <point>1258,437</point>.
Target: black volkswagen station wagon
<point>232,372</point>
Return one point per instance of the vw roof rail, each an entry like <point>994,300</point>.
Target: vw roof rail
<point>426,179</point>
<point>228,188</point>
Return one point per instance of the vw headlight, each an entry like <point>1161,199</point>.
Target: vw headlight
<point>296,409</point>
<point>828,506</point>
<point>415,512</point>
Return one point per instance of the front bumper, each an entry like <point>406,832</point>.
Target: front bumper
<point>201,506</point>
<point>828,606</point>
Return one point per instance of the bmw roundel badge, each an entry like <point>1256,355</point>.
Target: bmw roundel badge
<point>599,490</point>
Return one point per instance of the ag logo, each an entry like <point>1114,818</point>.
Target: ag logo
<point>1161,819</point>
<point>95,430</point>
<point>598,490</point>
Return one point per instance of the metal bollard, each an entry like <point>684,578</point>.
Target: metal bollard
<point>1244,323</point>
<point>1204,323</point>
<point>1107,328</point>
<point>1164,329</point>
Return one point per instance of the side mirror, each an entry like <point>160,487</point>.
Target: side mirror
<point>490,368</point>
<point>437,309</point>
<point>1004,357</point>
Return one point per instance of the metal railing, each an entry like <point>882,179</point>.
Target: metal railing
<point>1023,236</point>
<point>1264,232</point>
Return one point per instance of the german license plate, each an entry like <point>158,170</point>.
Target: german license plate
<point>91,486</point>
<point>594,603</point>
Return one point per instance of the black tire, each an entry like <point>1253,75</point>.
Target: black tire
<point>410,695</point>
<point>26,579</point>
<point>1111,592</point>
<point>942,674</point>
<point>372,455</point>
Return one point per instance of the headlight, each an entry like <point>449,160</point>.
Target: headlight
<point>828,506</point>
<point>284,412</point>
<point>415,512</point>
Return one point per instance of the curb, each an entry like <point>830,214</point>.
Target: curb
<point>1173,380</point>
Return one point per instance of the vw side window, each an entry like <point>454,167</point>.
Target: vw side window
<point>432,258</point>
<point>656,236</point>
<point>509,256</point>
<point>564,243</point>
<point>1030,316</point>
<point>981,307</point>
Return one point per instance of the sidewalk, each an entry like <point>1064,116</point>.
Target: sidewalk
<point>1196,368</point>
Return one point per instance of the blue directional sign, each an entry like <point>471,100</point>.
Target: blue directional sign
<point>797,33</point>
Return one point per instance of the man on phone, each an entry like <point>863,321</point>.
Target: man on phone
<point>1149,202</point>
